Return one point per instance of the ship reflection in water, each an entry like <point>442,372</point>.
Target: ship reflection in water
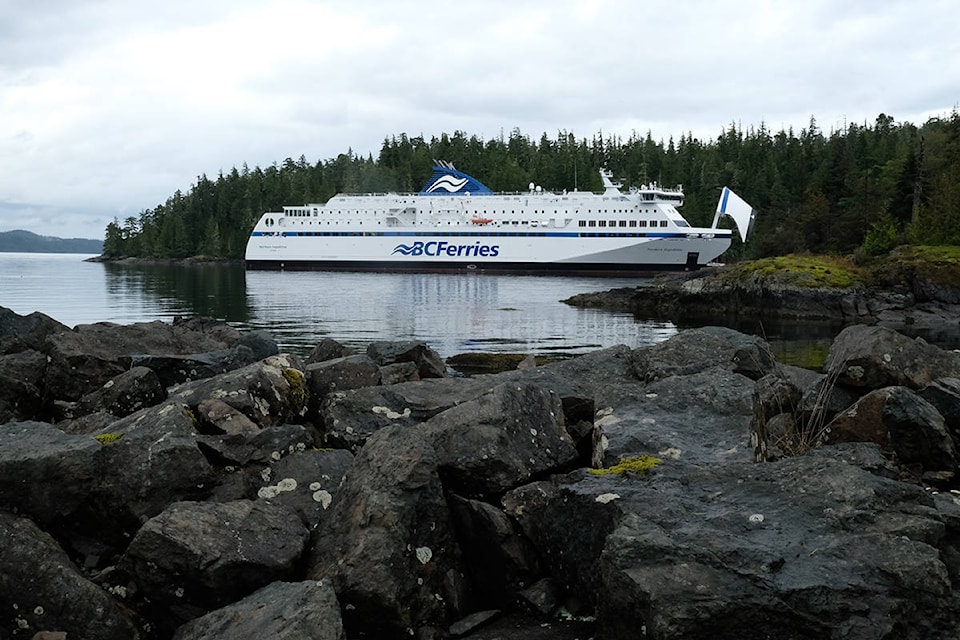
<point>451,313</point>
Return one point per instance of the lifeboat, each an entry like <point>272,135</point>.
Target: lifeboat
<point>478,220</point>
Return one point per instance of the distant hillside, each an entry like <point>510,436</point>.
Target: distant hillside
<point>27,242</point>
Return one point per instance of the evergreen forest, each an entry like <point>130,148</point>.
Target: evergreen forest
<point>863,190</point>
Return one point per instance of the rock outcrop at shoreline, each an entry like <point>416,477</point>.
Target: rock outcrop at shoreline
<point>708,295</point>
<point>696,488</point>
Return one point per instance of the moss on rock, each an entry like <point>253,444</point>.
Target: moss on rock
<point>107,438</point>
<point>640,465</point>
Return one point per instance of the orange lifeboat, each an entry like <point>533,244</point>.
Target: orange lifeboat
<point>478,220</point>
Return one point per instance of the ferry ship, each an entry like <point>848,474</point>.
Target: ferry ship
<point>456,224</point>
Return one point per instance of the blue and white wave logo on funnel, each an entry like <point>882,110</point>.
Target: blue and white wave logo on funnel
<point>448,183</point>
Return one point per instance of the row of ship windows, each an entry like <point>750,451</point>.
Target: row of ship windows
<point>581,223</point>
<point>441,234</point>
<point>623,223</point>
<point>536,212</point>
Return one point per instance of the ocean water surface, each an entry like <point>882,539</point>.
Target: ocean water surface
<point>473,312</point>
<point>453,314</point>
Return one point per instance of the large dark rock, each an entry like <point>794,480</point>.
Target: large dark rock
<point>196,556</point>
<point>42,590</point>
<point>702,417</point>
<point>797,548</point>
<point>21,383</point>
<point>19,333</point>
<point>153,462</point>
<point>944,394</point>
<point>429,363</point>
<point>875,357</point>
<point>83,359</point>
<point>126,393</point>
<point>269,392</point>
<point>350,417</point>
<point>339,374</point>
<point>46,473</point>
<point>85,489</point>
<point>499,440</point>
<point>173,369</point>
<point>500,560</point>
<point>327,349</point>
<point>306,481</point>
<point>280,611</point>
<point>902,422</point>
<point>698,349</point>
<point>388,542</point>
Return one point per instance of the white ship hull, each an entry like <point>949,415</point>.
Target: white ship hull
<point>433,252</point>
<point>468,228</point>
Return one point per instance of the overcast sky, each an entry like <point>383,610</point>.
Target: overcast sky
<point>107,107</point>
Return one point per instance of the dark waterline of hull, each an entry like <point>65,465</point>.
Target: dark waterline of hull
<point>506,268</point>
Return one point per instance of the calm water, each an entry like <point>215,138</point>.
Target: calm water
<point>452,313</point>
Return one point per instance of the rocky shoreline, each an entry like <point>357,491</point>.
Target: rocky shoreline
<point>912,304</point>
<point>187,481</point>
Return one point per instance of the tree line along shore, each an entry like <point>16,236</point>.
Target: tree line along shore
<point>864,188</point>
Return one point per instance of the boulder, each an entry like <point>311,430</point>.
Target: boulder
<point>259,448</point>
<point>279,611</point>
<point>802,547</point>
<point>85,358</point>
<point>126,393</point>
<point>500,439</point>
<point>198,556</point>
<point>388,543</point>
<point>148,460</point>
<point>46,473</point>
<point>399,372</point>
<point>500,560</point>
<point>269,392</point>
<point>339,374</point>
<point>306,482</point>
<point>697,349</point>
<point>702,417</point>
<point>327,349</point>
<point>944,394</point>
<point>216,416</point>
<point>245,462</point>
<point>19,333</point>
<point>349,417</point>
<point>42,590</point>
<point>429,363</point>
<point>900,421</point>
<point>21,383</point>
<point>173,369</point>
<point>84,487</point>
<point>872,357</point>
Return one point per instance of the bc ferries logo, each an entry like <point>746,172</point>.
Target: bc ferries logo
<point>448,183</point>
<point>441,248</point>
